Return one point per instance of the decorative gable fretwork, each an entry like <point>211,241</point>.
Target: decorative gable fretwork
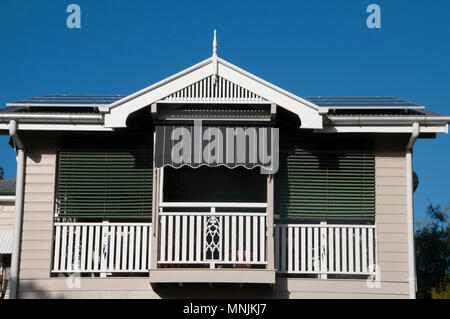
<point>219,91</point>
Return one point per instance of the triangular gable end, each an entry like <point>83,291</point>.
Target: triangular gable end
<point>214,89</point>
<point>248,87</point>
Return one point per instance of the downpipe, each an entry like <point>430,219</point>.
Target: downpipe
<point>15,258</point>
<point>410,211</point>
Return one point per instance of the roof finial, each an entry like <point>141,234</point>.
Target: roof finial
<point>215,44</point>
<point>214,60</point>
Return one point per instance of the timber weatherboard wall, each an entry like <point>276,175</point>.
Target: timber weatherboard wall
<point>7,211</point>
<point>36,255</point>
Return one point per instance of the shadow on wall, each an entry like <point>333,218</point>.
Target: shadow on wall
<point>221,291</point>
<point>178,291</point>
<point>33,291</point>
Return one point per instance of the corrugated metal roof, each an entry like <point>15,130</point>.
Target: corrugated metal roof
<point>69,100</point>
<point>8,186</point>
<point>384,112</point>
<point>378,102</point>
<point>332,102</point>
<point>57,109</point>
<point>338,106</point>
<point>6,241</point>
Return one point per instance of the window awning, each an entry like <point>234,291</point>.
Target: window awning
<point>6,241</point>
<point>230,146</point>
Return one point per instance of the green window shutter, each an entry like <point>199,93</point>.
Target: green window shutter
<point>330,186</point>
<point>105,184</point>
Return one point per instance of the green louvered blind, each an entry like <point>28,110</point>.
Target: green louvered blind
<point>329,186</point>
<point>105,184</point>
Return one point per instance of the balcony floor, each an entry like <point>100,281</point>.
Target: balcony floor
<point>220,275</point>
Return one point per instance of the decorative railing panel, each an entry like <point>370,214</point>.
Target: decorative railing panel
<point>212,238</point>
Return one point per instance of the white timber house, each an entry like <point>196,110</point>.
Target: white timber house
<point>103,208</point>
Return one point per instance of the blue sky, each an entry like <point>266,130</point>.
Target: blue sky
<point>306,47</point>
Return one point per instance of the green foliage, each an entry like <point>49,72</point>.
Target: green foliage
<point>433,252</point>
<point>443,293</point>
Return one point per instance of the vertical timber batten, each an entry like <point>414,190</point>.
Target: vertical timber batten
<point>270,223</point>
<point>155,216</point>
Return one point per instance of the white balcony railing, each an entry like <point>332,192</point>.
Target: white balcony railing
<point>101,247</point>
<point>325,249</point>
<point>215,239</point>
<point>212,238</point>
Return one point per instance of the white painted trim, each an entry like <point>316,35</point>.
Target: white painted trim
<point>160,83</point>
<point>213,204</point>
<point>201,101</point>
<point>56,105</point>
<point>410,210</point>
<point>7,198</point>
<point>418,107</point>
<point>101,271</point>
<point>210,214</point>
<point>161,186</point>
<point>218,262</point>
<point>382,129</point>
<point>100,224</point>
<point>215,119</point>
<point>53,118</point>
<point>267,84</point>
<point>58,127</point>
<point>307,111</point>
<point>327,226</point>
<point>386,120</point>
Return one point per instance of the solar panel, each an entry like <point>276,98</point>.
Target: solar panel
<point>69,100</point>
<point>330,102</point>
<point>362,102</point>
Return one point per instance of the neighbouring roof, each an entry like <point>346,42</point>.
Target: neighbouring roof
<point>8,186</point>
<point>6,241</point>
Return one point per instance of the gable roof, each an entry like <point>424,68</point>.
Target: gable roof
<point>307,111</point>
<point>73,101</point>
<point>215,80</point>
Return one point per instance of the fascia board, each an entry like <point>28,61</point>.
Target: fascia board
<point>119,112</point>
<point>309,115</point>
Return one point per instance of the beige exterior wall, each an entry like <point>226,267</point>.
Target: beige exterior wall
<point>392,245</point>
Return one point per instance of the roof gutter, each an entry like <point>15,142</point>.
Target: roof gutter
<point>410,210</point>
<point>380,120</point>
<point>14,276</point>
<point>53,118</point>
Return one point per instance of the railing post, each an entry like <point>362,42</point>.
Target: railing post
<point>154,240</point>
<point>270,250</point>
<point>323,250</point>
<point>103,247</point>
